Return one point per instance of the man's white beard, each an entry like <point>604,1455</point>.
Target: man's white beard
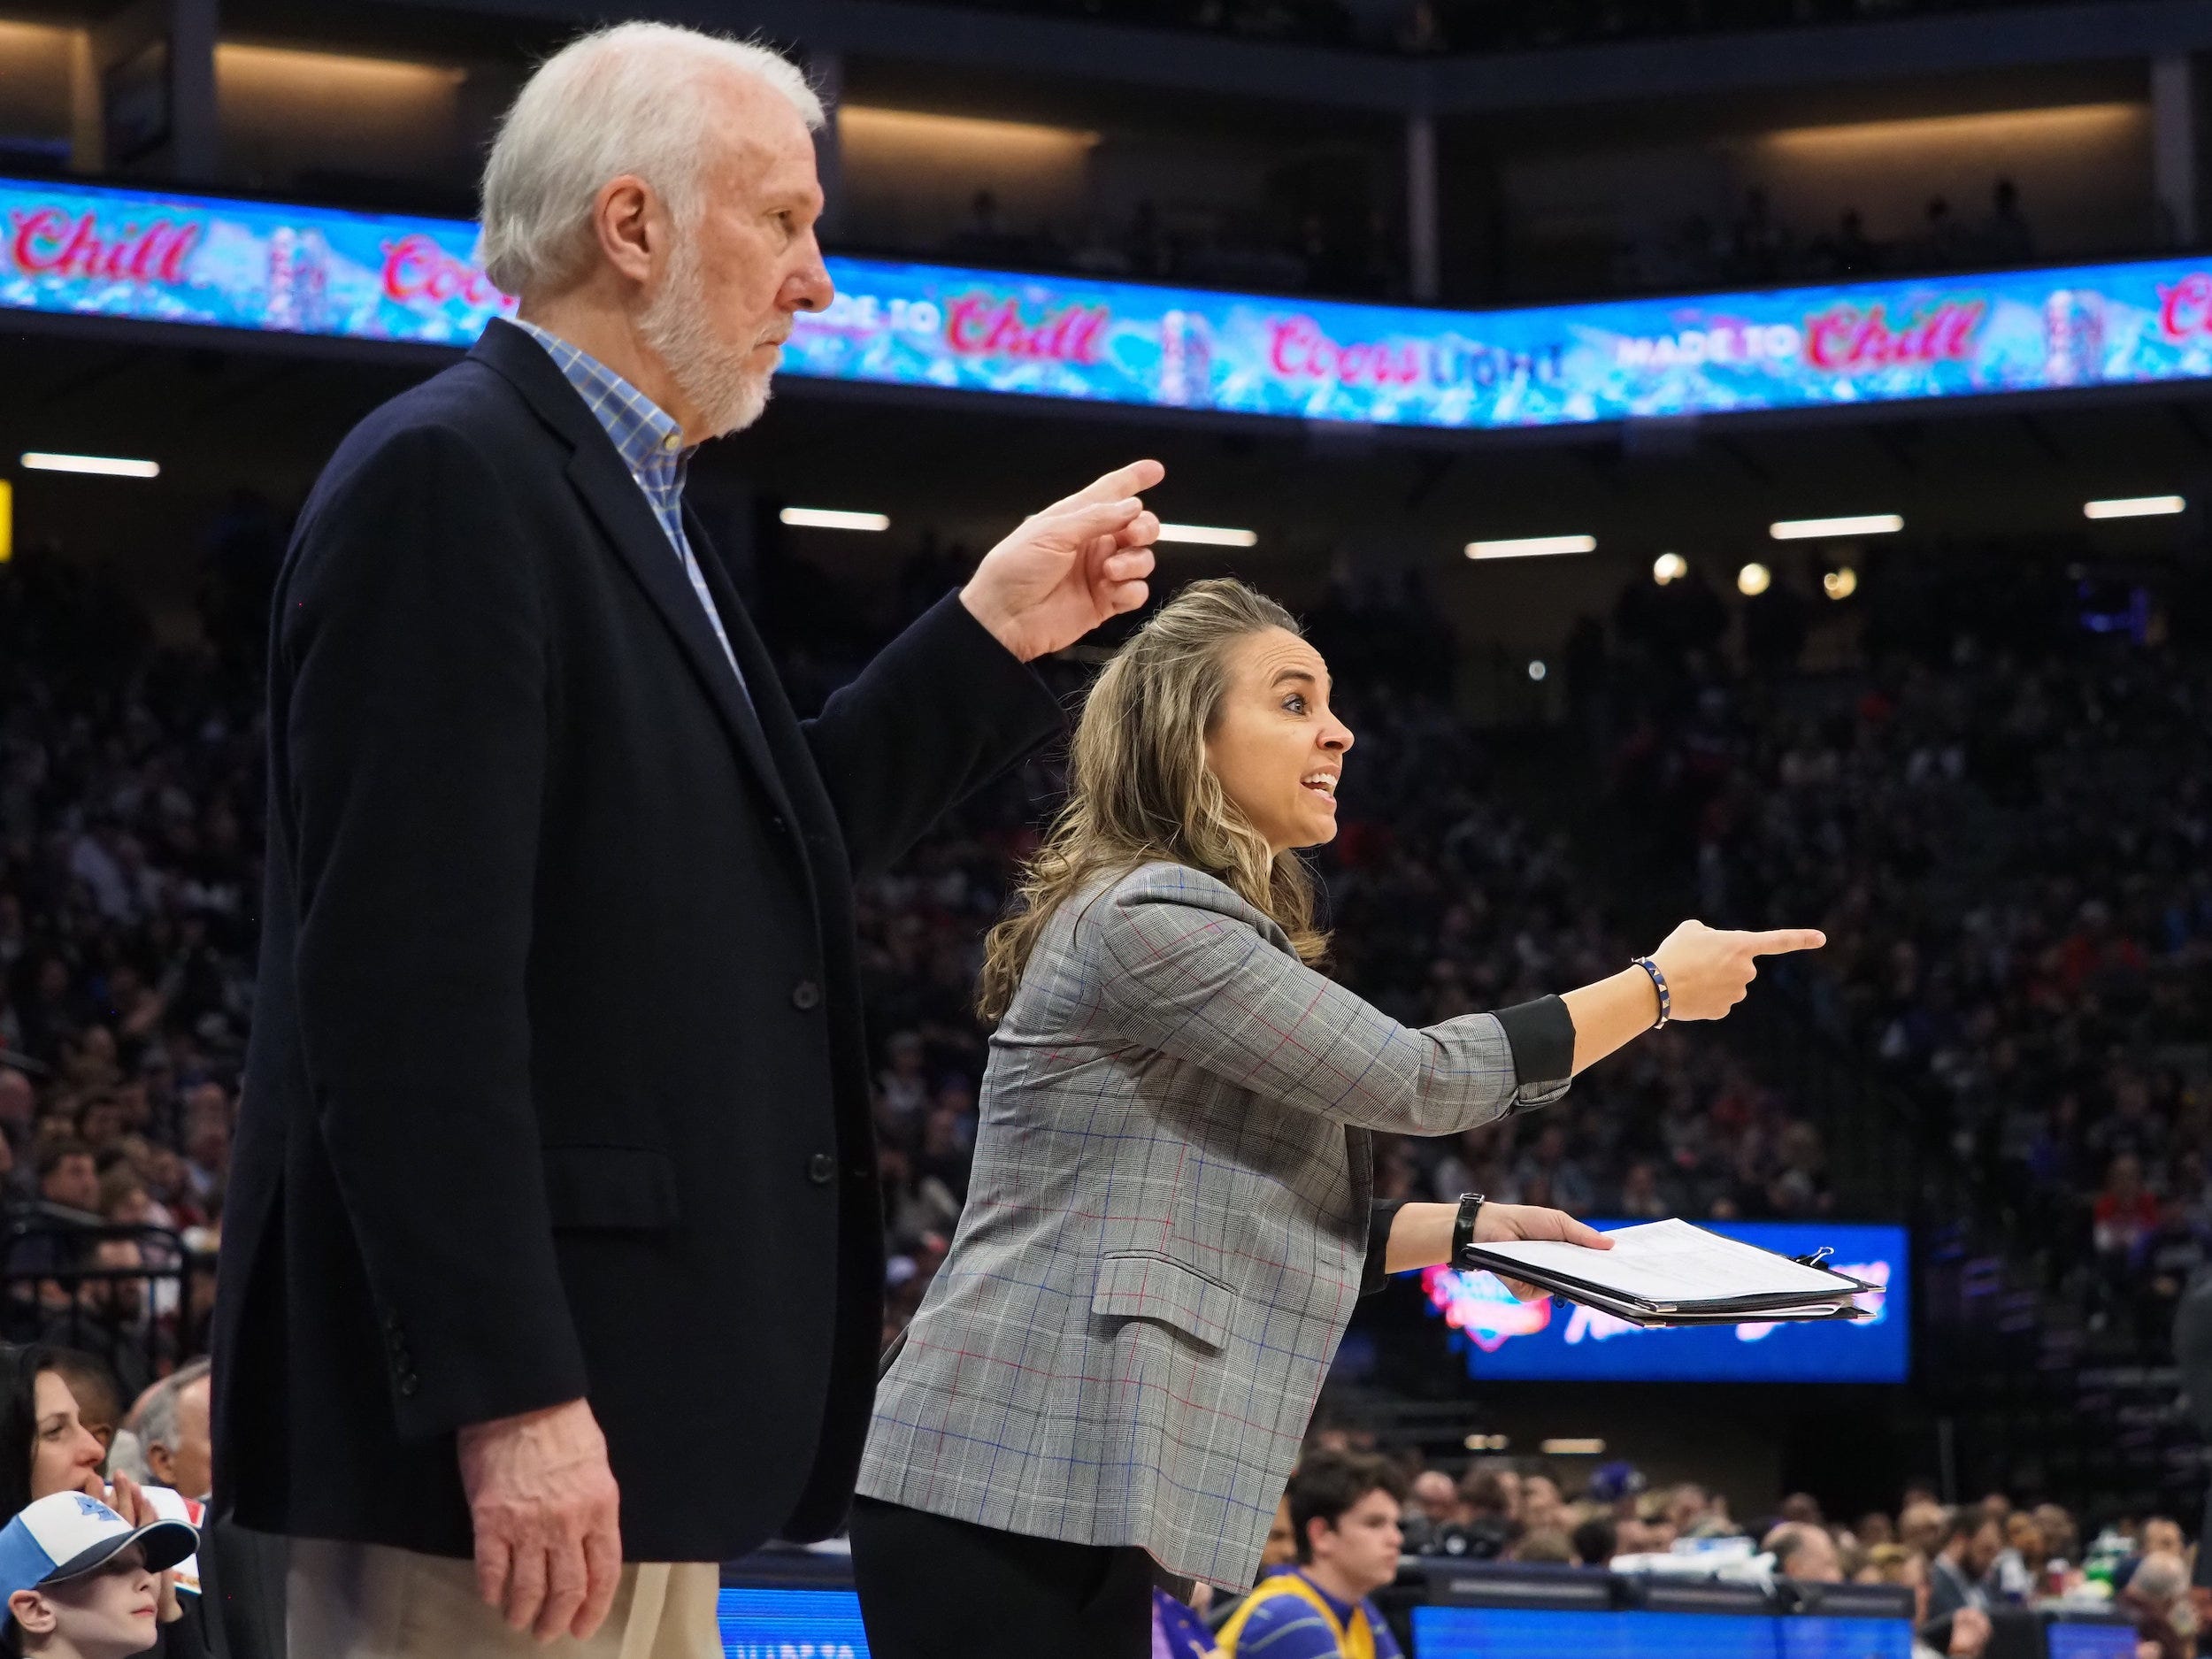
<point>729,396</point>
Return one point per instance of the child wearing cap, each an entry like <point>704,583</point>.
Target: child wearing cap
<point>82,1582</point>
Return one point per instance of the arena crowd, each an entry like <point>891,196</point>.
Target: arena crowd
<point>2001,827</point>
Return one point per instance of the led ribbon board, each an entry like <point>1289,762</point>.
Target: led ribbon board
<point>82,250</point>
<point>1557,1340</point>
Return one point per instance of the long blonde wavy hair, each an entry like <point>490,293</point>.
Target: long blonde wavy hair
<point>1139,787</point>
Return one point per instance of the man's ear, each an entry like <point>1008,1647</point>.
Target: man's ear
<point>33,1611</point>
<point>158,1463</point>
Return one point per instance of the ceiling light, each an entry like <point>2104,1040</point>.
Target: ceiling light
<point>1840,584</point>
<point>1207,535</point>
<point>2134,507</point>
<point>1567,1446</point>
<point>1536,671</point>
<point>1754,579</point>
<point>1812,529</point>
<point>1669,567</point>
<point>1531,547</point>
<point>98,465</point>
<point>831,518</point>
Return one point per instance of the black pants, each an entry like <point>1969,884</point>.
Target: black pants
<point>933,1589</point>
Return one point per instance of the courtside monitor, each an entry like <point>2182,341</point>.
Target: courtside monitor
<point>1556,1340</point>
<point>763,1622</point>
<point>1455,1633</point>
<point>2090,1639</point>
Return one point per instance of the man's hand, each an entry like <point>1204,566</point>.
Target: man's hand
<point>548,1519</point>
<point>1708,972</point>
<point>1069,567</point>
<point>1494,1223</point>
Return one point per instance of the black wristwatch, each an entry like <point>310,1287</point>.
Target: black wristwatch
<point>1463,1230</point>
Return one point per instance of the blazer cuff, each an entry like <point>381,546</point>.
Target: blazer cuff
<point>1013,694</point>
<point>1541,1035</point>
<point>1382,1217</point>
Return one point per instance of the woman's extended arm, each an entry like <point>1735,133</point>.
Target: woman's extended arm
<point>1178,966</point>
<point>1707,971</point>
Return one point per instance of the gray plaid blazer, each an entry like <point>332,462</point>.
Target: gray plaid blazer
<point>1166,1225</point>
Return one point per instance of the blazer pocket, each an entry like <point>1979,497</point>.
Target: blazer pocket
<point>611,1189</point>
<point>1145,1285</point>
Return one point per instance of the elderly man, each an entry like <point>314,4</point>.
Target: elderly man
<point>173,1432</point>
<point>1804,1552</point>
<point>553,1236</point>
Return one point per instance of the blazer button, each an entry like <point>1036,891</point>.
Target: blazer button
<point>821,1169</point>
<point>806,995</point>
<point>409,1385</point>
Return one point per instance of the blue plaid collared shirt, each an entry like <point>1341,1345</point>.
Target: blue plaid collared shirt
<point>651,445</point>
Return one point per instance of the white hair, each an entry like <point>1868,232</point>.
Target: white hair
<point>619,101</point>
<point>158,1417</point>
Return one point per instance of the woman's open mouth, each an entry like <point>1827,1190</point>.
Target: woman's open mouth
<point>1321,783</point>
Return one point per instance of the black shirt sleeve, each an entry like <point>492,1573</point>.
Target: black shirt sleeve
<point>1541,1035</point>
<point>1381,1217</point>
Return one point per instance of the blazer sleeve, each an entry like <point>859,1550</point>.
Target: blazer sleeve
<point>411,651</point>
<point>1207,986</point>
<point>942,710</point>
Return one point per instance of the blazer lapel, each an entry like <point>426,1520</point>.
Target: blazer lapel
<point>596,469</point>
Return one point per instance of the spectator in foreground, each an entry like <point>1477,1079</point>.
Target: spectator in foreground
<point>1434,1508</point>
<point>1955,1575</point>
<point>1279,1554</point>
<point>2157,1598</point>
<point>1344,1510</point>
<point>47,1447</point>
<point>1805,1552</point>
<point>1595,1541</point>
<point>93,1387</point>
<point>173,1428</point>
<point>83,1583</point>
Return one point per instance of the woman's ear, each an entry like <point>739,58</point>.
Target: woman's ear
<point>33,1611</point>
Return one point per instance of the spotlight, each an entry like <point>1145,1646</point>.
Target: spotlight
<point>1814,529</point>
<point>1669,567</point>
<point>1207,535</point>
<point>2134,507</point>
<point>1754,579</point>
<point>831,518</point>
<point>96,465</point>
<point>1840,584</point>
<point>1536,671</point>
<point>1531,547</point>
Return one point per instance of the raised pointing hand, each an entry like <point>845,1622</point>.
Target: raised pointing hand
<point>1708,970</point>
<point>1067,568</point>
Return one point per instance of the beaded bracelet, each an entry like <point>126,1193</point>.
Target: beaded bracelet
<point>1659,984</point>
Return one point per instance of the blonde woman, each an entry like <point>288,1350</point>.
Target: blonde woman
<point>1169,1219</point>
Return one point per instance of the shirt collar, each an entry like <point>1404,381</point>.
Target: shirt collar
<point>645,435</point>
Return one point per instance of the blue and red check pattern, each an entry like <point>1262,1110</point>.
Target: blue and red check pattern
<point>651,445</point>
<point>1166,1228</point>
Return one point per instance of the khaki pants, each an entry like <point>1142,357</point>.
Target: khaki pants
<point>367,1602</point>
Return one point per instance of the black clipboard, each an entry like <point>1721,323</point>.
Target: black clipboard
<point>1830,1303</point>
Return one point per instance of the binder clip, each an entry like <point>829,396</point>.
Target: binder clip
<point>1815,1258</point>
